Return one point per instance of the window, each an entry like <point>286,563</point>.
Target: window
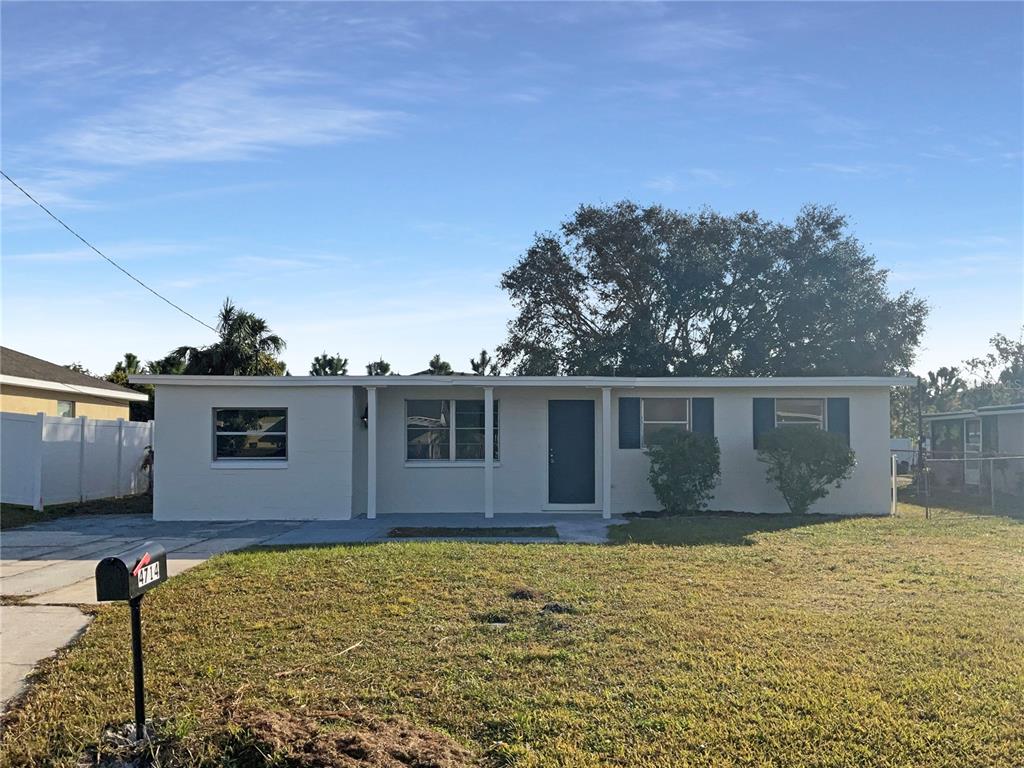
<point>250,433</point>
<point>800,410</point>
<point>447,430</point>
<point>663,415</point>
<point>66,408</point>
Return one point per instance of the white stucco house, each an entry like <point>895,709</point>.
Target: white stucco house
<point>241,448</point>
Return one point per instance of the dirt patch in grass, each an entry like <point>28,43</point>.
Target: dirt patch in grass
<point>524,593</point>
<point>522,532</point>
<point>338,740</point>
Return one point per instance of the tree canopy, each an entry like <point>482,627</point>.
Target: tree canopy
<point>378,368</point>
<point>329,365</point>
<point>438,367</point>
<point>648,291</point>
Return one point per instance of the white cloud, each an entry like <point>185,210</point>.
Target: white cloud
<point>219,117</point>
<point>684,41</point>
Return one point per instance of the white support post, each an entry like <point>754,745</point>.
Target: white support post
<point>81,460</point>
<point>120,458</point>
<point>488,452</point>
<point>606,452</point>
<point>371,453</point>
<point>892,477</point>
<point>37,463</point>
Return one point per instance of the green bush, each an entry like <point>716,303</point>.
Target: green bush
<point>684,470</point>
<point>804,462</point>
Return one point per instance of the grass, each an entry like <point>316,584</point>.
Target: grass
<point>699,641</point>
<point>16,515</point>
<point>524,532</point>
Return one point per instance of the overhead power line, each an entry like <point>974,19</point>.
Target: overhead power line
<point>103,256</point>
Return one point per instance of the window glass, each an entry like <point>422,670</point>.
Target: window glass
<point>800,410</point>
<point>66,408</point>
<point>469,430</point>
<point>446,430</point>
<point>250,433</point>
<point>664,416</point>
<point>428,429</point>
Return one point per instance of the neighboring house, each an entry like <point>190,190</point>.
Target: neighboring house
<point>334,447</point>
<point>960,441</point>
<point>31,385</point>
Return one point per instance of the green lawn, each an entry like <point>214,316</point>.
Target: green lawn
<point>747,641</point>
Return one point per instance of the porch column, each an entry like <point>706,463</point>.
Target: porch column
<point>488,451</point>
<point>371,452</point>
<point>606,452</point>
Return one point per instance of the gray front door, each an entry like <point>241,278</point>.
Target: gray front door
<point>571,452</point>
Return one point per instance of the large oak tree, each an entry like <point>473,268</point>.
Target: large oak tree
<point>648,291</point>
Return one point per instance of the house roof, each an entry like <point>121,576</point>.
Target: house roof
<point>987,410</point>
<point>19,369</point>
<point>844,382</point>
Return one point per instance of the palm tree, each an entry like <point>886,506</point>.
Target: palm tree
<point>247,347</point>
<point>484,365</point>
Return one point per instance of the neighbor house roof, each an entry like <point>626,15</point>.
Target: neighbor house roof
<point>20,370</point>
<point>531,381</point>
<point>987,410</point>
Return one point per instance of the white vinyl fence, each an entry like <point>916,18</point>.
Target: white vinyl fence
<point>55,460</point>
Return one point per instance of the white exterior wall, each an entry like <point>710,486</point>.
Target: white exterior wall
<point>326,475</point>
<point>520,477</point>
<point>743,487</point>
<point>315,483</point>
<point>520,474</point>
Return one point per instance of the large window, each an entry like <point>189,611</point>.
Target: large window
<point>663,416</point>
<point>808,411</point>
<point>447,430</point>
<point>66,408</point>
<point>250,433</point>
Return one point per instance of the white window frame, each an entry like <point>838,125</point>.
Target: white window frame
<point>687,424</point>
<point>238,459</point>
<point>452,435</point>
<point>73,409</point>
<point>824,413</point>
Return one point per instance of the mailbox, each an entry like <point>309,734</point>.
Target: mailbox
<point>131,574</point>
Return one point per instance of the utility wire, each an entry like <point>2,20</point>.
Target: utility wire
<point>102,255</point>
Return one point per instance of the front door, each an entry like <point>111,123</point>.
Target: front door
<point>571,452</point>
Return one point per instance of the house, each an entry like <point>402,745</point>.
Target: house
<point>969,447</point>
<point>335,447</point>
<point>31,385</point>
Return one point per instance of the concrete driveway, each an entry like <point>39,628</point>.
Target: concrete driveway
<point>47,569</point>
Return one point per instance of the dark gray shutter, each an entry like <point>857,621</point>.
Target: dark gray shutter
<point>629,422</point>
<point>839,417</point>
<point>764,417</point>
<point>703,415</point>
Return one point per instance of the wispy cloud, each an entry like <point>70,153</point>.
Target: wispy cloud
<point>117,251</point>
<point>684,42</point>
<point>691,177</point>
<point>220,117</point>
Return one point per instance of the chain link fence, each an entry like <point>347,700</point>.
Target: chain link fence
<point>976,484</point>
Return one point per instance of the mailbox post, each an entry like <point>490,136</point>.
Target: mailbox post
<point>129,576</point>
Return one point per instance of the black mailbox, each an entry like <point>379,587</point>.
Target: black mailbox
<point>131,574</point>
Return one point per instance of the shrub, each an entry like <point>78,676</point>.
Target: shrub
<point>804,462</point>
<point>684,470</point>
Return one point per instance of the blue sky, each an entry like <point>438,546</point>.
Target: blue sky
<point>360,175</point>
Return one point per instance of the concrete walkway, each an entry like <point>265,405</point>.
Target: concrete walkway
<point>47,569</point>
